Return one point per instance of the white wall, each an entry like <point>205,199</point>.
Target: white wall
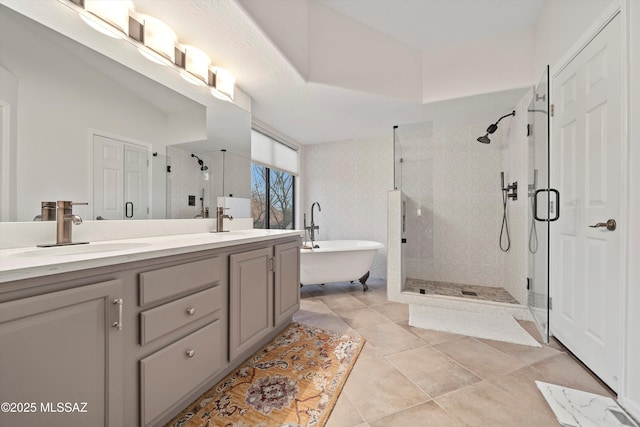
<point>630,396</point>
<point>480,66</point>
<point>561,23</point>
<point>350,180</point>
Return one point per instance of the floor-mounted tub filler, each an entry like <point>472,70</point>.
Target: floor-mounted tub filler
<point>337,261</point>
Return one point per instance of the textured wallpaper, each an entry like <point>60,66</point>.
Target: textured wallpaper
<point>350,180</point>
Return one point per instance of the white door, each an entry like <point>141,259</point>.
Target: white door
<point>136,179</point>
<point>587,168</point>
<point>120,180</point>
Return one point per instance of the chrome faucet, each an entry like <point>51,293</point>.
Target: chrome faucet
<point>64,219</point>
<point>220,215</point>
<point>47,212</point>
<point>313,227</point>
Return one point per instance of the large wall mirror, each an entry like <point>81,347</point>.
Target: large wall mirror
<point>77,125</point>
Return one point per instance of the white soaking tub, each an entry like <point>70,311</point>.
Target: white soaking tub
<point>337,261</point>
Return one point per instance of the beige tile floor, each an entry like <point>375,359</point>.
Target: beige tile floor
<point>409,377</point>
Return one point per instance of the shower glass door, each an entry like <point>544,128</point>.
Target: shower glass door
<point>540,200</point>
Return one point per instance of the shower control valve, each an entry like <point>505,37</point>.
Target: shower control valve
<point>512,191</point>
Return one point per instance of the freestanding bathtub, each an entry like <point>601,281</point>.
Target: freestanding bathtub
<point>337,261</point>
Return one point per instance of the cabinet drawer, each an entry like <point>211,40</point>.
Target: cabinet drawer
<point>159,284</point>
<point>168,317</point>
<point>171,373</point>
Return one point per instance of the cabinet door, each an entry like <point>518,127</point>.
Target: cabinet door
<point>287,281</point>
<point>251,299</point>
<point>61,358</point>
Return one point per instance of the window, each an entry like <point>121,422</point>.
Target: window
<point>273,173</point>
<point>272,198</point>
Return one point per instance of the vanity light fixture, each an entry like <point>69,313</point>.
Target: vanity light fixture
<point>110,18</point>
<point>196,65</point>
<point>158,39</point>
<point>157,42</point>
<point>223,83</point>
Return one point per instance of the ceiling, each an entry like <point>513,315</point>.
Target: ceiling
<point>433,24</point>
<point>332,70</point>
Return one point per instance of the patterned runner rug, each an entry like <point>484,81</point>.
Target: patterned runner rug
<point>293,381</point>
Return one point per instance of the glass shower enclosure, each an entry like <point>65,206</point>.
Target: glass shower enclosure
<point>543,202</point>
<point>453,208</point>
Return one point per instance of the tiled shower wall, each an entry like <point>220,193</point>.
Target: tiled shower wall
<point>453,199</point>
<point>515,165</point>
<point>452,188</point>
<point>186,179</point>
<point>350,180</point>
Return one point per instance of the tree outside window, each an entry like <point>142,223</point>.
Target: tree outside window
<point>272,198</point>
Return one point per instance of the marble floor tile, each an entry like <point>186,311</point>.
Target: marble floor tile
<point>344,414</point>
<point>341,302</point>
<point>327,321</point>
<point>393,311</point>
<point>483,405</point>
<point>372,297</point>
<point>432,371</point>
<point>481,359</point>
<point>361,317</point>
<point>567,372</point>
<point>424,414</point>
<point>313,306</point>
<point>575,408</point>
<point>389,338</point>
<point>413,377</point>
<point>322,290</point>
<point>430,336</point>
<point>521,385</point>
<point>523,353</point>
<point>376,388</point>
<point>368,352</point>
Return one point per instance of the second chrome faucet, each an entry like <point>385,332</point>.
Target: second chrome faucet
<point>65,218</point>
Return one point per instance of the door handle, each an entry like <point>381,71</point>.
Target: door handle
<point>127,213</point>
<point>557,206</point>
<point>610,224</point>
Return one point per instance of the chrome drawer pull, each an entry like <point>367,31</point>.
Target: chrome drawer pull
<point>191,311</point>
<point>118,324</point>
<point>191,353</point>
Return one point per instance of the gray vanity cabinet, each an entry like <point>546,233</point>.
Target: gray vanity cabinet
<point>250,299</point>
<point>61,358</point>
<point>286,281</point>
<point>264,289</point>
<point>187,320</point>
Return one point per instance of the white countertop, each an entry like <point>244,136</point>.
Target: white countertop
<point>27,262</point>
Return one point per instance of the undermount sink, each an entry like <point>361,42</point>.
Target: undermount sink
<point>80,249</point>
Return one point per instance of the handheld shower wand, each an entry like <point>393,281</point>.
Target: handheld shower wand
<point>504,229</point>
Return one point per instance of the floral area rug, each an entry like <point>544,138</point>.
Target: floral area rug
<point>293,381</point>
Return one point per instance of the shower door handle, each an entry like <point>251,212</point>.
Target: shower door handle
<point>557,204</point>
<point>127,213</point>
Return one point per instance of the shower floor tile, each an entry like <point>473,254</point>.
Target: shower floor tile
<point>484,293</point>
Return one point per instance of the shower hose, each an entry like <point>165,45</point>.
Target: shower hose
<point>504,230</point>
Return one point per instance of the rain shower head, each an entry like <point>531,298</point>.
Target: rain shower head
<point>492,128</point>
<point>203,167</point>
<point>484,139</point>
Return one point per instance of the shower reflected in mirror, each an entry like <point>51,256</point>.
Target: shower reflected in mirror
<point>492,128</point>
